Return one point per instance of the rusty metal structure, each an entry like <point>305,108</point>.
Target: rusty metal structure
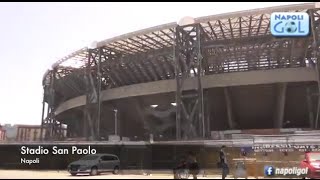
<point>2,134</point>
<point>29,133</point>
<point>181,82</point>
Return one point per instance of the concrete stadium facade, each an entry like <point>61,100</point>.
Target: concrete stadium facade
<point>222,72</point>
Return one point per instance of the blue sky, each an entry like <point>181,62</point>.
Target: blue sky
<point>35,35</point>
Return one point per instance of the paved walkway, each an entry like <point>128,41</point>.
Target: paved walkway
<point>24,174</point>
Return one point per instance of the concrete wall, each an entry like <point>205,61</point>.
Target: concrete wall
<point>210,81</point>
<point>250,107</point>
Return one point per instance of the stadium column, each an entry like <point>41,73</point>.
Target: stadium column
<point>93,87</point>
<point>51,103</point>
<point>45,109</point>
<point>86,108</point>
<point>207,106</point>
<point>49,122</point>
<point>315,25</point>
<point>188,64</point>
<point>280,105</point>
<point>230,115</point>
<point>99,76</point>
<point>310,107</point>
<point>42,115</point>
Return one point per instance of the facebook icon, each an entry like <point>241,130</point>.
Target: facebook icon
<point>269,171</point>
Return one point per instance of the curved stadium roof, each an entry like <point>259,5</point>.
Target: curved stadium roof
<point>146,55</point>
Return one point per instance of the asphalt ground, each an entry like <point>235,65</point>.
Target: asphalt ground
<point>26,174</point>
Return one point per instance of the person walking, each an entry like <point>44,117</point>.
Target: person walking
<point>193,165</point>
<point>223,162</point>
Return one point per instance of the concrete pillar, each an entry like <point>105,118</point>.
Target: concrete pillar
<point>18,134</point>
<point>25,134</point>
<point>280,105</point>
<point>310,108</point>
<point>21,134</point>
<point>84,127</point>
<point>231,122</point>
<point>207,113</point>
<point>207,107</point>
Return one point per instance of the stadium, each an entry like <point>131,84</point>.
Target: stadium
<point>183,81</point>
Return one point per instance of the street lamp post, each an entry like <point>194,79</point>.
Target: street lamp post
<point>115,121</point>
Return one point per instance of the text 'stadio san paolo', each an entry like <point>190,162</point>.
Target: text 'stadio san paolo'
<point>40,150</point>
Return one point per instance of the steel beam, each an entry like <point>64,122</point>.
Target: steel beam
<point>99,92</point>
<point>50,122</point>
<point>161,62</point>
<point>51,104</point>
<point>142,71</point>
<point>315,53</point>
<point>169,66</point>
<point>93,79</point>
<point>187,51</point>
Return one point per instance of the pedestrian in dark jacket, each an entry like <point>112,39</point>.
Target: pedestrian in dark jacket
<point>193,165</point>
<point>224,162</point>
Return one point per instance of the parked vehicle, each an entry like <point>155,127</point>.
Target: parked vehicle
<point>312,162</point>
<point>95,164</point>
